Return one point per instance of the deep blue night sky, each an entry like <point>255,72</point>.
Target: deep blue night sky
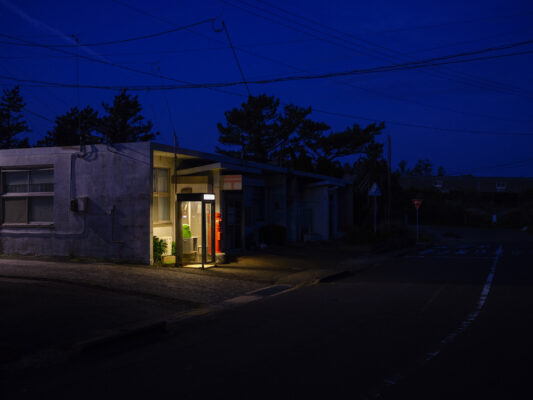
<point>492,96</point>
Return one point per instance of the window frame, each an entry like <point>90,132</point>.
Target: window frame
<point>26,195</point>
<point>156,194</point>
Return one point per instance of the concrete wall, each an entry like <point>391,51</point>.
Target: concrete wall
<point>118,184</point>
<point>316,199</point>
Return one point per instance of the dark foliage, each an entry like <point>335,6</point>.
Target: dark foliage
<point>423,167</point>
<point>73,128</point>
<point>12,122</point>
<point>159,248</point>
<point>259,131</point>
<point>123,122</point>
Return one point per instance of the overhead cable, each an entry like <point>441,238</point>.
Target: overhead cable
<point>342,42</point>
<point>431,62</point>
<point>111,42</point>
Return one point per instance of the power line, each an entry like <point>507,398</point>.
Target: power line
<point>444,60</point>
<point>387,49</point>
<point>450,23</point>
<point>236,58</point>
<point>104,62</point>
<point>373,44</point>
<point>479,39</point>
<point>37,115</point>
<point>335,41</point>
<point>392,122</point>
<point>166,21</point>
<point>168,87</point>
<point>397,98</point>
<point>237,94</point>
<point>111,42</point>
<point>36,97</point>
<point>499,88</point>
<point>419,126</point>
<point>186,50</point>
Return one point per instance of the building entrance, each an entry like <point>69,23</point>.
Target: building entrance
<point>195,229</point>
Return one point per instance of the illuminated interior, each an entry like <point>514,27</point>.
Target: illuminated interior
<point>197,230</point>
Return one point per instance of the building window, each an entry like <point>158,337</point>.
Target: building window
<point>161,195</point>
<point>28,196</point>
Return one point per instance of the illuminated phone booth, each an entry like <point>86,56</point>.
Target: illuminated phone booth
<point>196,232</point>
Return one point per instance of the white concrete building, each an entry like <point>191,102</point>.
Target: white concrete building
<point>108,202</point>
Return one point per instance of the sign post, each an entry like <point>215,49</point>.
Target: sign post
<point>374,192</point>
<point>417,203</point>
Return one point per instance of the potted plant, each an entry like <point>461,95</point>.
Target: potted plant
<point>170,259</point>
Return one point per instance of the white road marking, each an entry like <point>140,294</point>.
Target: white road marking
<point>460,252</point>
<point>474,314</point>
<point>397,377</point>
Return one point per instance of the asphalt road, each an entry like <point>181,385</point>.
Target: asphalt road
<point>40,316</point>
<point>452,321</point>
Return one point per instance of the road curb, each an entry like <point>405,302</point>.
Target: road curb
<point>147,329</point>
<point>335,276</point>
<point>122,336</point>
<point>171,323</point>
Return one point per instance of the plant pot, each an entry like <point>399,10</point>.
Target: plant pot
<point>169,259</point>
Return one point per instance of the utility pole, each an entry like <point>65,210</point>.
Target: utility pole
<point>389,183</point>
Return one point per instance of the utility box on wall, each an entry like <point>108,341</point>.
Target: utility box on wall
<point>79,204</point>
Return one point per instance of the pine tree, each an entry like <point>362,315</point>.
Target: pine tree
<point>259,130</point>
<point>73,128</point>
<point>123,122</point>
<point>12,121</point>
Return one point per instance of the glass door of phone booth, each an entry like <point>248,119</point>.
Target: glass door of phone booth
<point>196,229</point>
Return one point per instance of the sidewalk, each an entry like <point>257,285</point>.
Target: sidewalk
<point>170,283</point>
<point>290,265</point>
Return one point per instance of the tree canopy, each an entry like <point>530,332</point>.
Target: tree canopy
<point>423,167</point>
<point>73,128</point>
<point>12,122</point>
<point>123,122</point>
<point>259,131</point>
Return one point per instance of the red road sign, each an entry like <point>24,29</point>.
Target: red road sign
<point>417,203</point>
